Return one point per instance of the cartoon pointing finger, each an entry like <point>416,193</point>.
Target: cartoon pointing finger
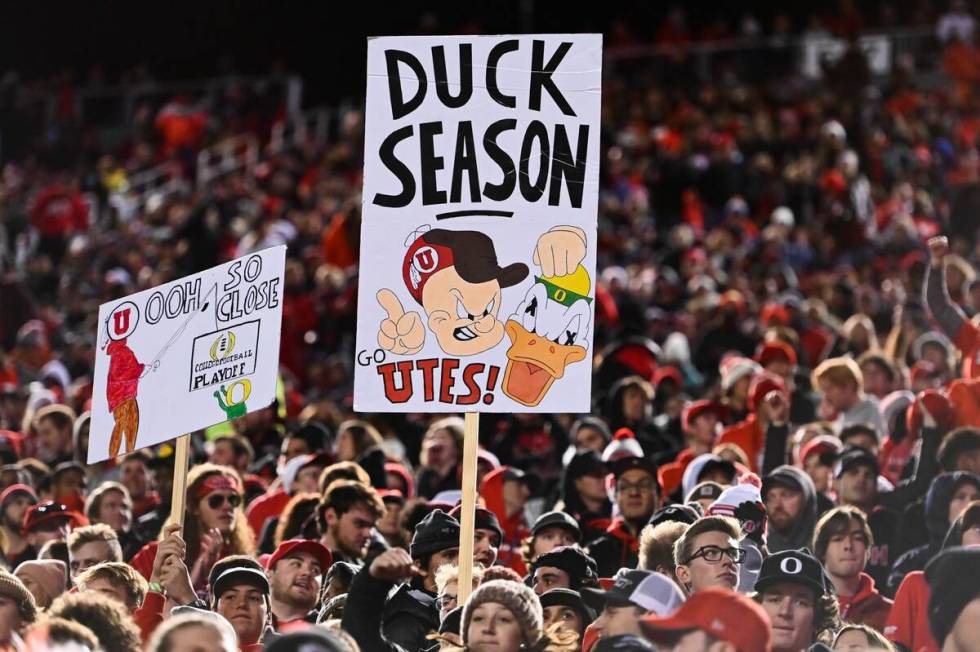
<point>401,332</point>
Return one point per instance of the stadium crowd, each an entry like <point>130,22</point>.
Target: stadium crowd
<point>783,452</point>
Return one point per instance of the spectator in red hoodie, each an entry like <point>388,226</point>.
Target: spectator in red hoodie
<point>506,491</point>
<point>699,420</point>
<point>58,211</point>
<point>842,542</point>
<point>750,434</point>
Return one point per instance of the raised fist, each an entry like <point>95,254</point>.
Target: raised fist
<point>777,407</point>
<point>938,248</point>
<point>401,332</point>
<point>393,565</point>
<point>560,251</point>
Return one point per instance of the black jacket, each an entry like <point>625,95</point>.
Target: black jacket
<point>362,618</point>
<point>617,548</point>
<point>409,616</point>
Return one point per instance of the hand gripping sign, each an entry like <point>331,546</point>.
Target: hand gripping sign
<point>208,343</point>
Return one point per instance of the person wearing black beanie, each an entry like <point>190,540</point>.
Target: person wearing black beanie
<point>565,567</point>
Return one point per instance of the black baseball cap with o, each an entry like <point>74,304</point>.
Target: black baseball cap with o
<point>557,519</point>
<point>648,590</point>
<point>794,567</point>
<point>854,456</point>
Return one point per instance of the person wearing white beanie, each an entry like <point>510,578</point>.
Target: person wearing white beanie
<point>744,502</point>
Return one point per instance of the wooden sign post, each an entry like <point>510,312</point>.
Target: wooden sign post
<point>178,505</point>
<point>471,444</point>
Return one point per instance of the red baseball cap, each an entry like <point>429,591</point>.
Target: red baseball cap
<point>315,548</point>
<point>50,511</point>
<point>16,489</point>
<point>721,613</point>
<point>820,445</point>
<point>775,350</point>
<point>693,410</point>
<point>761,385</point>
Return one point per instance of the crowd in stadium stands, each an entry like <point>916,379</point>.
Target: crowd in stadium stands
<point>784,447</point>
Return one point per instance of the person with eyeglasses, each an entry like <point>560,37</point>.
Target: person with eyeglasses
<point>637,498</point>
<point>214,525</point>
<point>708,554</point>
<point>447,587</point>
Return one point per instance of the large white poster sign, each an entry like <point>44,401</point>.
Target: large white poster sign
<point>477,269</point>
<point>187,354</point>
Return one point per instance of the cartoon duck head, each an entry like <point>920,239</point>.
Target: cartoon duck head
<point>547,332</point>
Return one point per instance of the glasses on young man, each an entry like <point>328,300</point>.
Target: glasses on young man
<point>643,486</point>
<point>446,601</point>
<point>713,554</point>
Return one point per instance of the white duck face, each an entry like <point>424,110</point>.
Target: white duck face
<point>563,325</point>
<point>545,336</point>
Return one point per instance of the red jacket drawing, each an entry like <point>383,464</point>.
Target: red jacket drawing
<point>124,373</point>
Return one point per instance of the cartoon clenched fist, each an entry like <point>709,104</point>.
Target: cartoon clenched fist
<point>560,250</point>
<point>401,332</point>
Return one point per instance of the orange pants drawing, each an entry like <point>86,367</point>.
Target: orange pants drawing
<point>127,416</point>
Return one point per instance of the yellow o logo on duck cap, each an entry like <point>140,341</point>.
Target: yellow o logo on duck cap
<point>577,282</point>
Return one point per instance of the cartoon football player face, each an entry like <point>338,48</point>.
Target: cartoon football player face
<point>455,277</point>
<point>463,315</point>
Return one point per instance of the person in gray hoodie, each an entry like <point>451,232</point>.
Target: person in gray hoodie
<point>791,507</point>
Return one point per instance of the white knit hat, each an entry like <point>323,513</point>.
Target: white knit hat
<point>732,497</point>
<point>736,368</point>
<point>623,444</point>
